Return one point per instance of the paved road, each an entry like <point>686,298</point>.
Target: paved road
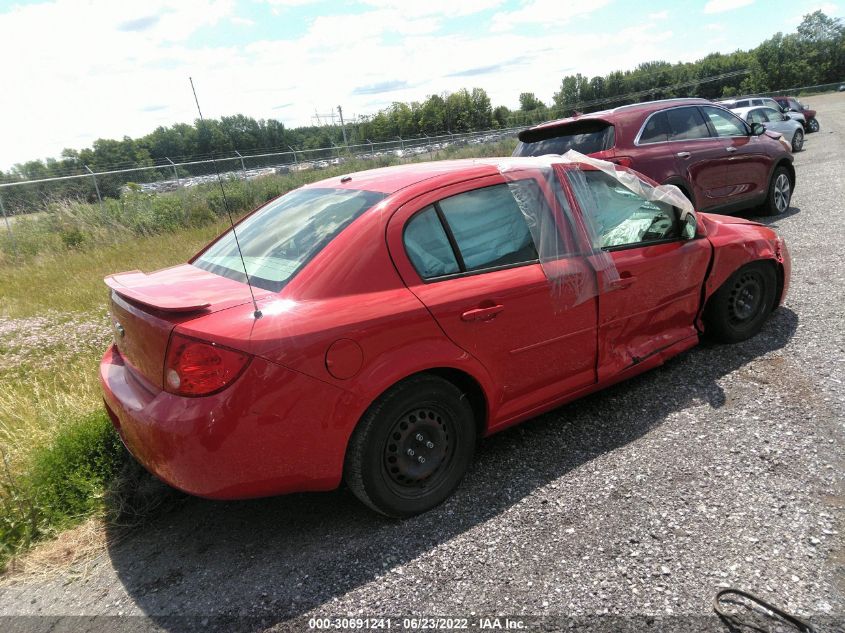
<point>723,467</point>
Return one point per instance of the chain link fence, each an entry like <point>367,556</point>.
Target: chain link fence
<point>21,198</point>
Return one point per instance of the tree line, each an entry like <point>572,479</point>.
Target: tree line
<point>814,54</point>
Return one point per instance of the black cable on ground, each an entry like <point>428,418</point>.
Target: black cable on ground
<point>735,623</point>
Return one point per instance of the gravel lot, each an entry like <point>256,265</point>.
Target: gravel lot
<point>724,467</point>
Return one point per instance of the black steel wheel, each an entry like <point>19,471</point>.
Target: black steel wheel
<point>739,308</point>
<point>797,141</point>
<point>412,447</point>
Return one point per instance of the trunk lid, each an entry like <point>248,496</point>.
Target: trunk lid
<point>145,308</point>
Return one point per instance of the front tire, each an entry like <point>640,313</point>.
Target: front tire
<point>813,125</point>
<point>738,309</point>
<point>797,141</point>
<point>412,447</point>
<point>780,193</point>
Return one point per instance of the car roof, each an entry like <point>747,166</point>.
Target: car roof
<point>630,110</point>
<point>389,180</point>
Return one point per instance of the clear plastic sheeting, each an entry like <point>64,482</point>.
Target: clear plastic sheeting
<point>618,208</point>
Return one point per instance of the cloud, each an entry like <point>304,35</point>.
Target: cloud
<point>546,13</point>
<point>153,108</point>
<point>139,24</point>
<point>658,15</point>
<point>720,6</point>
<point>381,87</point>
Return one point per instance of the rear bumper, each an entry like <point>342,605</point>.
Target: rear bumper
<point>272,431</point>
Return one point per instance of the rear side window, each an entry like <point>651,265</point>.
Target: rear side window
<point>656,129</point>
<point>428,245</point>
<point>587,137</point>
<point>744,103</point>
<point>479,230</point>
<point>686,123</point>
<point>724,123</point>
<point>489,228</point>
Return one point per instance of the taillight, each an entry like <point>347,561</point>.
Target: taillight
<point>198,368</point>
<point>625,161</point>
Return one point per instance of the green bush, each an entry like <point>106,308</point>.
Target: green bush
<point>65,482</point>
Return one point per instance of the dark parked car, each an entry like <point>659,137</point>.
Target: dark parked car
<point>719,161</point>
<point>791,104</point>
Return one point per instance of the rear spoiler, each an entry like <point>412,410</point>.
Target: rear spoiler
<point>130,285</point>
<point>574,126</point>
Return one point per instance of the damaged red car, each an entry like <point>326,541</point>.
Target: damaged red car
<point>401,314</point>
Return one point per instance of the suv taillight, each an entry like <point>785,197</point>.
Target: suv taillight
<point>198,368</point>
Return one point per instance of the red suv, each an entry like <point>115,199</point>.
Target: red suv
<point>791,104</point>
<point>719,161</point>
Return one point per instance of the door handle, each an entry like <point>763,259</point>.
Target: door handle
<point>621,282</point>
<point>730,150</point>
<point>482,314</point>
<point>683,155</point>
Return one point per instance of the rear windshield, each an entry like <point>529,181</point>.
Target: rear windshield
<point>586,137</point>
<point>280,238</point>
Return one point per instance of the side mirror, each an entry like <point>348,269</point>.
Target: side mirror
<point>757,129</point>
<point>689,226</point>
<point>786,117</point>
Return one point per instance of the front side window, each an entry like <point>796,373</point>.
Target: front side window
<point>757,116</point>
<point>725,123</point>
<point>772,116</point>
<point>489,228</point>
<point>617,217</point>
<point>279,239</point>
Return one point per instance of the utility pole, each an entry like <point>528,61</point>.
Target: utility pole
<point>342,125</point>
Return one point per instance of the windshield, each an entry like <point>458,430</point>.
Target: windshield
<point>586,137</point>
<point>280,238</point>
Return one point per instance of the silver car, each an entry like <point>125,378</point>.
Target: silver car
<point>748,102</point>
<point>775,121</point>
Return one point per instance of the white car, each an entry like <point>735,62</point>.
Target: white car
<point>774,121</point>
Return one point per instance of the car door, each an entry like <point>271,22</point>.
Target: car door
<point>776,122</point>
<point>654,297</point>
<point>466,252</point>
<point>681,134</point>
<point>746,161</point>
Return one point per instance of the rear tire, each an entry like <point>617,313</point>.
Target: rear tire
<point>738,309</point>
<point>797,141</point>
<point>412,447</point>
<point>780,193</point>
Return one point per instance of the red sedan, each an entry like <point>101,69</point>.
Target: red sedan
<point>402,313</point>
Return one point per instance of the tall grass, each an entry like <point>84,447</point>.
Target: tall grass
<point>60,456</point>
<point>68,225</point>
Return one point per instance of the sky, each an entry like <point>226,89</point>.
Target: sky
<point>78,70</point>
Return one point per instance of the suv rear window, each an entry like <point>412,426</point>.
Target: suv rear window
<point>284,235</point>
<point>588,136</point>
